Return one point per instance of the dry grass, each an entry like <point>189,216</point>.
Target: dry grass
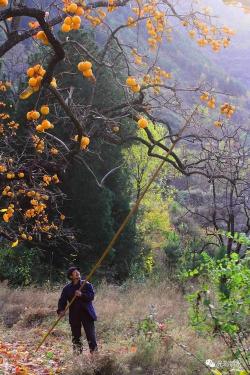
<point>26,306</point>
<point>119,311</point>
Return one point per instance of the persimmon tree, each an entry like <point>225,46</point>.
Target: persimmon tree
<point>131,34</point>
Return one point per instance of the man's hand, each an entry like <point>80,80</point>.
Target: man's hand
<point>78,293</point>
<point>61,313</point>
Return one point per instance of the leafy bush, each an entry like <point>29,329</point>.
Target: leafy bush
<point>182,254</point>
<point>222,305</point>
<point>22,266</point>
<point>172,249</point>
<point>152,343</point>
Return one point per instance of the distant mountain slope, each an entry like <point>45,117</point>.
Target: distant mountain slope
<point>236,59</point>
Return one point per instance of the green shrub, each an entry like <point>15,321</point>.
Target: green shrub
<point>222,305</point>
<point>152,343</point>
<point>172,249</point>
<point>22,266</point>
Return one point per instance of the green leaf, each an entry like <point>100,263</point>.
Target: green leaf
<point>206,302</point>
<point>234,256</point>
<point>49,355</point>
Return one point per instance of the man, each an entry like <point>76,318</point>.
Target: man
<point>81,312</point>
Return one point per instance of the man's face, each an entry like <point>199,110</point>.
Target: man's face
<point>75,275</point>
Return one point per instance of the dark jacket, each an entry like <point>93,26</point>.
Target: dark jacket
<point>81,304</point>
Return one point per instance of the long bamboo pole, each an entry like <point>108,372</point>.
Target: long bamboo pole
<point>122,226</point>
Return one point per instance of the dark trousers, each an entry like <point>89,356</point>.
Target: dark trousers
<point>89,328</point>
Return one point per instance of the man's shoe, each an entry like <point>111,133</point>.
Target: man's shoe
<point>94,351</point>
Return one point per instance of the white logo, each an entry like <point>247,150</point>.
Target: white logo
<point>210,363</point>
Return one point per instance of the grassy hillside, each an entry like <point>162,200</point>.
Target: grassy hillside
<point>141,329</point>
